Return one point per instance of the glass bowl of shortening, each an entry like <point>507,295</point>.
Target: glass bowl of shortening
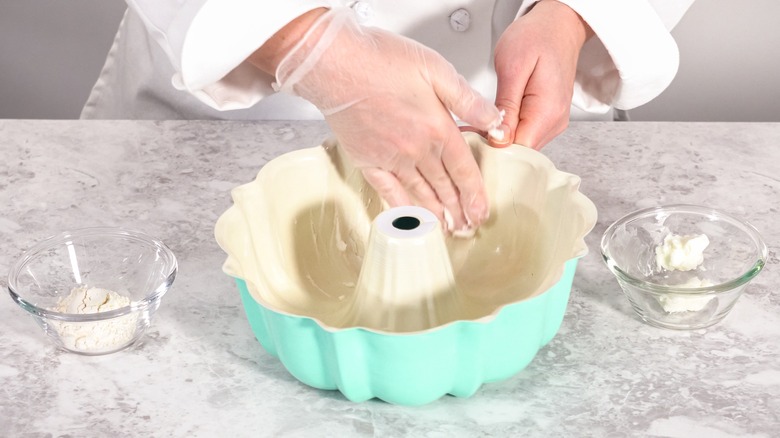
<point>683,266</point>
<point>93,290</point>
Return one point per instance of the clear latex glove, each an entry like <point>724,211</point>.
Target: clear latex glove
<point>536,63</point>
<point>388,101</point>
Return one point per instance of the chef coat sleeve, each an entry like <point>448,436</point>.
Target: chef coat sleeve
<point>208,42</point>
<point>632,57</point>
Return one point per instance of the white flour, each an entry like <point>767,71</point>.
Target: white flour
<point>94,335</point>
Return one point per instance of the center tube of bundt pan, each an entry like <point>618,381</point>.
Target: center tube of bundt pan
<point>406,282</point>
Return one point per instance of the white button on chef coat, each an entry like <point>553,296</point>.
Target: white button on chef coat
<point>363,11</point>
<point>460,20</point>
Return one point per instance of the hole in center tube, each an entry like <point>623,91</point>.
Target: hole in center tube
<point>406,223</point>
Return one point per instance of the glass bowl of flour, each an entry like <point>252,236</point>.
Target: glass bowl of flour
<point>683,266</point>
<point>93,290</point>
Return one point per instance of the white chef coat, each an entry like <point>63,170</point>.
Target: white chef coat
<point>186,59</point>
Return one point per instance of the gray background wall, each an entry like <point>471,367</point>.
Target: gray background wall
<point>51,52</point>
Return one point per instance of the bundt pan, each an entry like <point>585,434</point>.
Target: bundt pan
<point>378,302</point>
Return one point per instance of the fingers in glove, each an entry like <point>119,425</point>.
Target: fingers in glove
<point>424,194</point>
<point>450,211</point>
<point>387,186</point>
<point>462,168</point>
<point>457,95</point>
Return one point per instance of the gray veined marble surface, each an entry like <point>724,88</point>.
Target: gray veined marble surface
<point>199,372</point>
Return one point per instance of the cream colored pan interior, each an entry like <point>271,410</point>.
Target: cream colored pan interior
<point>299,236</point>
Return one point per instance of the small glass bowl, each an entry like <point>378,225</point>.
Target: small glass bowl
<point>52,279</point>
<point>675,299</point>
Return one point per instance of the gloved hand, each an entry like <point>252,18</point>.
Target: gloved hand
<point>388,101</point>
<point>536,63</point>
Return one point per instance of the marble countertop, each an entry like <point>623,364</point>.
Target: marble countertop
<point>199,372</point>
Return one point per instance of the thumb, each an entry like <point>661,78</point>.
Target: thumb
<point>533,128</point>
<point>512,81</point>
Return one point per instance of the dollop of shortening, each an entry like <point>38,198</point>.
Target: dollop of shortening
<point>676,303</point>
<point>681,253</point>
<point>495,131</point>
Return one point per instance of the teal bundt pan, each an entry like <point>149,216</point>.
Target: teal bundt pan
<point>412,369</point>
<point>297,257</point>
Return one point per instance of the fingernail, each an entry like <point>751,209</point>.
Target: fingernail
<point>494,128</point>
<point>477,213</point>
<point>500,136</point>
<point>501,115</point>
<point>485,215</point>
<point>464,233</point>
<point>449,222</point>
